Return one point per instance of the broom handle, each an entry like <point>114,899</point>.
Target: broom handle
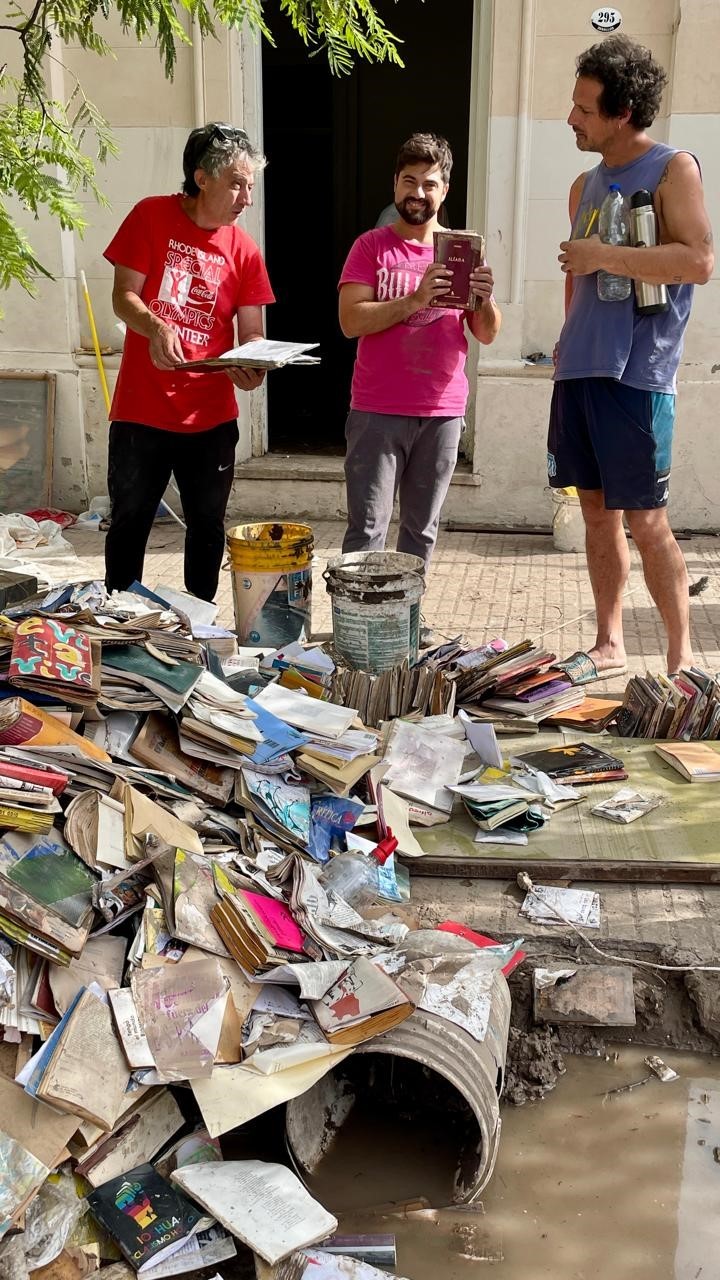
<point>96,344</point>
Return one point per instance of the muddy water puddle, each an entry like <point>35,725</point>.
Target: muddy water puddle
<point>625,1187</point>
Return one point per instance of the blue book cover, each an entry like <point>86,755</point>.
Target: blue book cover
<point>279,737</point>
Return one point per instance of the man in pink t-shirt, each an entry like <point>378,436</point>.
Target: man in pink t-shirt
<point>409,389</point>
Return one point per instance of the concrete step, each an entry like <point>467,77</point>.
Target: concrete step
<point>313,485</point>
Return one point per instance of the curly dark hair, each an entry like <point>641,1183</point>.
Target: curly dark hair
<point>425,148</point>
<point>631,78</point>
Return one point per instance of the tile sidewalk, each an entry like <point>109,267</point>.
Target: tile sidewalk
<point>517,586</point>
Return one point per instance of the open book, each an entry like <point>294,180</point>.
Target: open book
<point>363,1003</point>
<point>263,353</point>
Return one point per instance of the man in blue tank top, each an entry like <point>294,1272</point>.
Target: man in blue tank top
<point>611,421</point>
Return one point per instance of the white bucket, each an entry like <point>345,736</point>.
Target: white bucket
<point>376,608</point>
<point>568,525</point>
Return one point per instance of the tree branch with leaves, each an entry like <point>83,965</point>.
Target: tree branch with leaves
<point>50,150</point>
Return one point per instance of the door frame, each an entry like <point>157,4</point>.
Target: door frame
<point>246,101</point>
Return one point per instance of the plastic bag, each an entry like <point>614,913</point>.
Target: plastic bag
<point>50,1220</point>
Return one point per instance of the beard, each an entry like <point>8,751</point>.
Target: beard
<point>583,144</point>
<point>415,217</point>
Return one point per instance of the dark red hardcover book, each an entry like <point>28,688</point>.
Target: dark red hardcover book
<point>461,252</point>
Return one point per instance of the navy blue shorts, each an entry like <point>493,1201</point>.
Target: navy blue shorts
<point>605,435</point>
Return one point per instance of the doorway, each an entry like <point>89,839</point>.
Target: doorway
<point>331,143</point>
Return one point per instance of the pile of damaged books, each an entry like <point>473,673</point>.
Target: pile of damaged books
<point>515,688</point>
<point>685,705</point>
<point>174,958</point>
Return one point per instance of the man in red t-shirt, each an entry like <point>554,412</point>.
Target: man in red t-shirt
<point>189,284</point>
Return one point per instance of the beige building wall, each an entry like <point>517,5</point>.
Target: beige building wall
<point>522,164</point>
<point>530,169</point>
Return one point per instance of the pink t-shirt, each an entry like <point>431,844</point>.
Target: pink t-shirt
<point>416,368</point>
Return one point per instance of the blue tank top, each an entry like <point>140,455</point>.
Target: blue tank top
<point>609,339</point>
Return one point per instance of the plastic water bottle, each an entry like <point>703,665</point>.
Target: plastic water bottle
<point>613,228</point>
<point>353,876</point>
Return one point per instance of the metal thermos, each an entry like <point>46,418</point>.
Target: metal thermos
<point>650,299</point>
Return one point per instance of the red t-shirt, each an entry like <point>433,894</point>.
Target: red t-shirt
<point>195,280</point>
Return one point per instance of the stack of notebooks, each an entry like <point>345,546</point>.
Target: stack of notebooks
<point>134,680</point>
<point>594,715</point>
<point>422,690</point>
<point>259,932</point>
<point>683,706</point>
<point>218,725</point>
<point>158,747</point>
<point>340,763</point>
<point>488,815</point>
<point>297,667</point>
<point>46,899</point>
<point>576,765</point>
<point>520,683</point>
<point>55,660</point>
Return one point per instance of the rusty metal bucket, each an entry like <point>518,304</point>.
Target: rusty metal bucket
<point>475,1069</point>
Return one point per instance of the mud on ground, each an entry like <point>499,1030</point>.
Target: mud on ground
<point>674,1011</point>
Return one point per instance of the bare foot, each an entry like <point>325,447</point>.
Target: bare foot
<point>607,657</point>
<point>684,661</point>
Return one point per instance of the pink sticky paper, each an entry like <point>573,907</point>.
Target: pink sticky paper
<point>277,920</point>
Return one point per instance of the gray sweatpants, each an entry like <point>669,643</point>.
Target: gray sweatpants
<point>388,455</point>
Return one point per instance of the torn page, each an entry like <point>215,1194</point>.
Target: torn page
<point>627,805</point>
<point>264,1205</point>
<point>548,905</point>
<point>233,1095</point>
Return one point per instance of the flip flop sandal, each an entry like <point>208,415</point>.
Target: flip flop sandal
<point>581,669</point>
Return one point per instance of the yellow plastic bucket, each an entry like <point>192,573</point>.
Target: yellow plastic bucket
<point>271,566</point>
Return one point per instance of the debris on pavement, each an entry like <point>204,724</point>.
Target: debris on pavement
<point>593,995</point>
<point>660,1069</point>
<point>183,947</point>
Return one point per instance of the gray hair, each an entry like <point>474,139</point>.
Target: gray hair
<point>213,148</point>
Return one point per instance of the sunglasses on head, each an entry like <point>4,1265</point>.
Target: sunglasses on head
<point>218,133</point>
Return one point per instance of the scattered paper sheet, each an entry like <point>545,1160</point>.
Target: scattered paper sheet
<point>396,815</point>
<point>501,837</point>
<point>626,805</point>
<point>234,1095</point>
<point>172,1002</point>
<point>553,793</point>
<point>264,1205</point>
<point>317,1264</point>
<point>464,998</point>
<point>102,960</point>
<point>483,740</point>
<point>146,817</point>
<point>302,712</point>
<point>195,609</point>
<point>579,906</point>
<point>313,979</point>
<point>422,765</point>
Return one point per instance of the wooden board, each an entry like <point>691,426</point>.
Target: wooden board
<point>677,843</point>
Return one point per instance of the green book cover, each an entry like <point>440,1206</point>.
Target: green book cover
<point>135,660</point>
<point>55,877</point>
